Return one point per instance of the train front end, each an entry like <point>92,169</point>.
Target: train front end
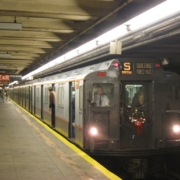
<point>132,110</point>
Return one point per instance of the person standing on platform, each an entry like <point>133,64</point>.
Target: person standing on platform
<point>2,95</point>
<point>52,102</point>
<point>6,95</point>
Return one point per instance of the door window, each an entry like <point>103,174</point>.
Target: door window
<point>103,94</point>
<point>134,94</point>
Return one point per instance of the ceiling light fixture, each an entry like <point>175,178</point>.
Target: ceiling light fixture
<point>3,67</point>
<point>11,26</point>
<point>5,55</point>
<point>162,11</point>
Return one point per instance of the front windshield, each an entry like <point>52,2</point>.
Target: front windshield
<point>103,94</point>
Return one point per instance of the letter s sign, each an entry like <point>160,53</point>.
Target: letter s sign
<point>127,66</point>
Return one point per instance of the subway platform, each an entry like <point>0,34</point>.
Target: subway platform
<point>30,150</point>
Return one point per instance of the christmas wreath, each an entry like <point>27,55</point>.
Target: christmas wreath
<point>137,117</point>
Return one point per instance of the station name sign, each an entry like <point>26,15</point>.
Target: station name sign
<point>5,78</point>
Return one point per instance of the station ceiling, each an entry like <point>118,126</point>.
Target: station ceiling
<point>52,28</point>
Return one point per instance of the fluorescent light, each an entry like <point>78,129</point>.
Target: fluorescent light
<point>10,26</point>
<point>14,82</point>
<point>3,67</point>
<point>162,11</point>
<point>158,13</point>
<point>5,55</point>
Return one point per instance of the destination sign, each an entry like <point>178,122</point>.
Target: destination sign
<point>143,65</point>
<point>143,68</point>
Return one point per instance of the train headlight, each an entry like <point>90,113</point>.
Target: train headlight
<point>176,128</point>
<point>93,131</point>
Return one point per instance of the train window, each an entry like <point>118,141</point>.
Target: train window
<point>81,97</point>
<point>46,98</point>
<point>37,94</point>
<point>134,94</point>
<point>103,94</point>
<point>27,93</point>
<point>60,96</point>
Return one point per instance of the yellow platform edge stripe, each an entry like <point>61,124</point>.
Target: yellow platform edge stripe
<point>98,166</point>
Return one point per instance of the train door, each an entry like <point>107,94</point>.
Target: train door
<point>45,104</point>
<point>79,111</point>
<point>30,99</point>
<point>72,110</point>
<point>34,100</point>
<point>20,95</point>
<point>42,103</point>
<point>27,97</point>
<point>38,101</point>
<point>62,108</point>
<point>136,114</point>
<point>53,110</point>
<point>23,97</point>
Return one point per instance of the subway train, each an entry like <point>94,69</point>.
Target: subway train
<point>127,108</point>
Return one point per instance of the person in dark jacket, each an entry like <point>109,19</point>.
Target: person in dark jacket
<point>2,94</point>
<point>52,102</point>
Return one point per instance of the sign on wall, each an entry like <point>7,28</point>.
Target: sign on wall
<point>4,77</point>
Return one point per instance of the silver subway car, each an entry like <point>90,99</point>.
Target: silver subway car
<point>121,107</point>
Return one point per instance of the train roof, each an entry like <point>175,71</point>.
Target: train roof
<point>75,74</point>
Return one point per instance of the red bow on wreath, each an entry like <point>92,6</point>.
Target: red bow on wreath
<point>138,118</point>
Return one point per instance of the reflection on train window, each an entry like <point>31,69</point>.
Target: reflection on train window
<point>46,99</point>
<point>81,97</point>
<point>60,96</point>
<point>27,93</point>
<point>103,94</point>
<point>23,92</point>
<point>37,94</point>
<point>134,94</point>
